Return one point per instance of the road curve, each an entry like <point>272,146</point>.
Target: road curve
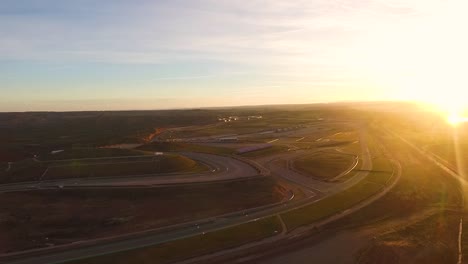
<point>221,168</point>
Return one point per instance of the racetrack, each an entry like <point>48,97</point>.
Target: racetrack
<point>222,168</point>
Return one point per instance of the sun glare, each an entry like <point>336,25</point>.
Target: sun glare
<point>453,110</point>
<point>421,60</point>
<point>456,118</point>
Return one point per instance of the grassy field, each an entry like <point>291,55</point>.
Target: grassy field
<point>352,173</point>
<point>40,132</point>
<point>80,214</point>
<point>382,171</point>
<point>25,170</point>
<point>80,153</point>
<point>432,240</point>
<point>417,190</point>
<point>449,152</point>
<point>340,201</point>
<point>340,139</point>
<point>176,146</point>
<point>352,148</point>
<point>324,165</point>
<point>192,246</point>
<point>30,170</point>
<point>10,154</point>
<point>329,206</point>
<point>423,186</point>
<point>240,127</point>
<point>158,164</point>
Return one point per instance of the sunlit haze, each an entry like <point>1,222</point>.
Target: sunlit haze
<point>456,119</point>
<point>233,131</point>
<point>98,55</point>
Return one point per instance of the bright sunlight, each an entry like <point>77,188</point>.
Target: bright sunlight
<point>456,119</point>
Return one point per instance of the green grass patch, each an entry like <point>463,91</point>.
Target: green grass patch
<point>347,141</point>
<point>330,205</point>
<point>352,148</point>
<point>158,164</point>
<point>382,171</point>
<point>382,164</point>
<point>352,173</point>
<point>192,246</point>
<point>324,165</point>
<point>375,146</point>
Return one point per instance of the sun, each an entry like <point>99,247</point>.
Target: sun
<point>456,117</point>
<point>423,59</point>
<point>452,109</point>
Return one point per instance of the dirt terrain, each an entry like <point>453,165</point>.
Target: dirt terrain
<point>49,217</point>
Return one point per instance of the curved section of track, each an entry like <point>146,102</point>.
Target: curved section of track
<point>310,183</point>
<point>222,168</point>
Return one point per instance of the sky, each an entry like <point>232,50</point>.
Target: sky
<point>60,55</point>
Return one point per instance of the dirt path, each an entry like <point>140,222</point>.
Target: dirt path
<point>341,246</point>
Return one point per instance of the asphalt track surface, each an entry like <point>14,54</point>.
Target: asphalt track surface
<point>223,168</point>
<point>314,185</point>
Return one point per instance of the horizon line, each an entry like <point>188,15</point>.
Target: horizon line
<point>218,107</point>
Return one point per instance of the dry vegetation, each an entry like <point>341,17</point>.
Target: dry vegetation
<point>48,217</point>
<point>432,240</point>
<point>192,246</point>
<point>422,187</point>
